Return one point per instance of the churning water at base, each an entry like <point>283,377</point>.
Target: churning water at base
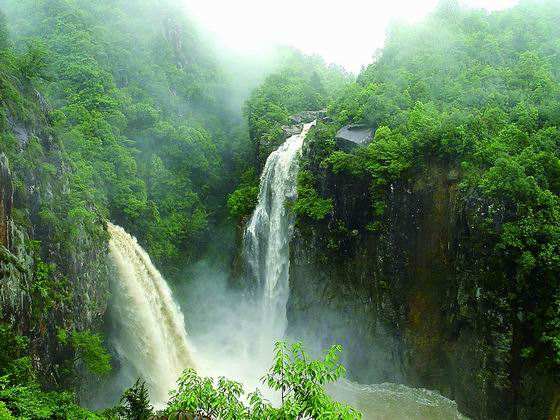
<point>395,402</point>
<point>148,331</point>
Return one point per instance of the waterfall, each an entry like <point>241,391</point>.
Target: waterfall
<point>266,248</point>
<point>148,332</point>
<point>269,231</point>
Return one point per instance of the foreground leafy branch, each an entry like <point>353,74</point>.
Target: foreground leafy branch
<point>299,379</point>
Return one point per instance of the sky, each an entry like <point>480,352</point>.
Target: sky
<point>345,32</point>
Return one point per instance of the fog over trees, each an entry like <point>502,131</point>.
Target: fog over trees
<point>426,255</point>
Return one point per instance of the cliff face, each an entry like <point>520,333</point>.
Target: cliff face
<point>45,286</point>
<point>405,299</point>
<point>16,265</point>
<point>6,200</point>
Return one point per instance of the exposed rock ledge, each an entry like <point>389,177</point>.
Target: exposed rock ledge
<point>304,117</point>
<point>354,135</point>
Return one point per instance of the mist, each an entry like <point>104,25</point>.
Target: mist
<point>184,183</point>
<point>348,35</point>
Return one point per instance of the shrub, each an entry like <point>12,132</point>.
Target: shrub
<point>299,379</point>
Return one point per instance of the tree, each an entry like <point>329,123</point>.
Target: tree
<point>242,201</point>
<point>208,398</point>
<point>299,379</point>
<point>301,383</point>
<point>89,348</point>
<point>135,402</point>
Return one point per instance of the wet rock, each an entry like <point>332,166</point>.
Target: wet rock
<point>42,101</point>
<point>352,136</point>
<point>292,130</point>
<point>6,200</point>
<point>298,120</point>
<point>305,117</point>
<point>82,268</point>
<point>19,130</point>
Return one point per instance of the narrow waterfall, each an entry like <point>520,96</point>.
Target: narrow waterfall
<point>148,332</point>
<point>266,248</point>
<point>269,231</point>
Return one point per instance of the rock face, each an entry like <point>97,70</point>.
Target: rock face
<point>291,130</point>
<point>404,300</point>
<point>6,200</point>
<point>16,263</point>
<point>77,292</point>
<point>352,136</point>
<point>308,116</point>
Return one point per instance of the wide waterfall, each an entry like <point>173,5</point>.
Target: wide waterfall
<point>269,232</point>
<point>148,329</point>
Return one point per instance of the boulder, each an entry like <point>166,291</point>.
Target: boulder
<point>291,130</point>
<point>354,135</point>
<point>305,117</point>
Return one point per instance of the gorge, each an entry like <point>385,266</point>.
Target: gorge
<point>148,332</point>
<point>171,208</point>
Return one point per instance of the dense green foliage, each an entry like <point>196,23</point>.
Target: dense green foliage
<point>299,380</point>
<point>304,84</point>
<point>138,103</point>
<point>308,202</point>
<point>34,162</point>
<point>243,200</point>
<point>89,348</point>
<point>479,95</point>
<point>21,395</point>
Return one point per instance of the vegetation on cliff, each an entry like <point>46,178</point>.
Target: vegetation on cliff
<point>476,94</point>
<point>137,104</point>
<point>123,111</point>
<point>301,84</point>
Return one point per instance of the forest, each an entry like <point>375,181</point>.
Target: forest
<point>428,256</point>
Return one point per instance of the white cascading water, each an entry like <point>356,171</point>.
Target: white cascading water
<point>269,232</point>
<point>148,333</point>
<point>267,239</point>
